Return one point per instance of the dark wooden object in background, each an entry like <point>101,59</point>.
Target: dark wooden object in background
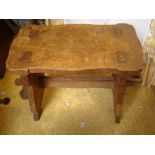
<point>5,42</point>
<point>75,56</point>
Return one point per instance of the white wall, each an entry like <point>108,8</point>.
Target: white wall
<point>141,25</point>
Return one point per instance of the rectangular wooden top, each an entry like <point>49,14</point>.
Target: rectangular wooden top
<point>60,48</point>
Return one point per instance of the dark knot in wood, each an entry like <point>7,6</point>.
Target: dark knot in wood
<point>25,57</point>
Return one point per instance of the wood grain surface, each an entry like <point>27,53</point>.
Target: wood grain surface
<point>75,48</point>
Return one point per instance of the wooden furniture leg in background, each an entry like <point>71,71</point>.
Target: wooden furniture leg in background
<point>32,92</point>
<point>118,94</point>
<point>5,101</point>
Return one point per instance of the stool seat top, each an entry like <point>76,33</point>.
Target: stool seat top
<point>75,47</point>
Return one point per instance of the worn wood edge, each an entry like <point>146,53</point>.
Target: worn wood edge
<point>77,71</point>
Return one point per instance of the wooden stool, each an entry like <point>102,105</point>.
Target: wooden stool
<point>74,56</point>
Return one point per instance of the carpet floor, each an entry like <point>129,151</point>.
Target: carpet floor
<point>77,111</point>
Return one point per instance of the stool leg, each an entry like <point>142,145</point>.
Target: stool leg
<point>118,93</point>
<point>35,94</point>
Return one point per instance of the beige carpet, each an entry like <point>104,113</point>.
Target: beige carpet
<point>77,111</point>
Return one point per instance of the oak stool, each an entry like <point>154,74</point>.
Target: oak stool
<point>74,56</point>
